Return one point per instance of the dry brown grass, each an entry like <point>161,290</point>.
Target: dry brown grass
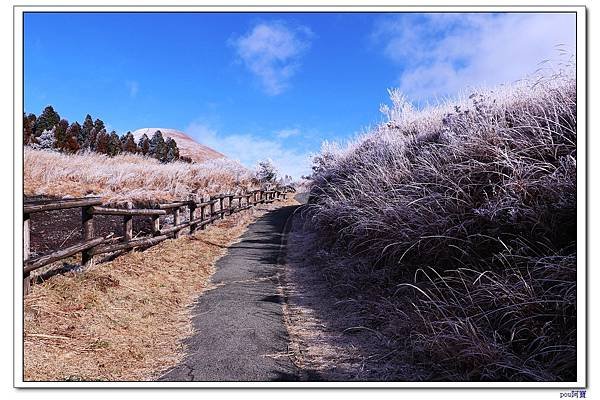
<point>124,320</point>
<point>127,177</point>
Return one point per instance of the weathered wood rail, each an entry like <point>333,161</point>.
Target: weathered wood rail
<point>199,216</point>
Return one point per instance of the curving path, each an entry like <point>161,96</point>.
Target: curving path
<point>239,330</point>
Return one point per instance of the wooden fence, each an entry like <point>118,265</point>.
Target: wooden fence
<point>200,215</point>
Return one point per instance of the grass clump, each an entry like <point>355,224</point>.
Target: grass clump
<point>454,228</point>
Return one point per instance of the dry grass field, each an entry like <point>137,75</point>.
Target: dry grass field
<point>127,177</point>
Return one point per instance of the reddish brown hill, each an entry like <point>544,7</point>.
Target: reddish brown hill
<point>187,146</point>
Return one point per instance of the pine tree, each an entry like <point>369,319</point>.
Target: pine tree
<point>172,150</point>
<point>144,145</point>
<point>60,133</point>
<point>72,144</point>
<point>114,144</point>
<point>28,126</point>
<point>128,143</point>
<point>87,127</point>
<point>46,121</point>
<point>101,144</point>
<point>99,125</point>
<point>90,141</point>
<point>158,148</point>
<point>46,140</point>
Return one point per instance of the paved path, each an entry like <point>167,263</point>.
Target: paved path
<point>240,333</point>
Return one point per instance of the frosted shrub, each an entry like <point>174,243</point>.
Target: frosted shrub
<point>46,141</point>
<point>266,173</point>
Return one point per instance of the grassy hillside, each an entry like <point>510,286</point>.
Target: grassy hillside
<point>454,229</point>
<point>127,176</point>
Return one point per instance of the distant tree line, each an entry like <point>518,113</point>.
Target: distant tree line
<point>49,131</point>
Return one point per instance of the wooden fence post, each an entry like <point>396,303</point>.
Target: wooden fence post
<point>176,221</point>
<point>230,201</point>
<point>221,206</point>
<point>212,207</point>
<point>192,207</point>
<point>128,225</point>
<point>26,252</point>
<point>155,225</point>
<point>202,215</point>
<point>87,222</point>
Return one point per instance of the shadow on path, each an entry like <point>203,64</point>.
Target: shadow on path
<point>240,334</point>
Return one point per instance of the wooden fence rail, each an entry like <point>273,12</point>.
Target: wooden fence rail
<point>199,215</point>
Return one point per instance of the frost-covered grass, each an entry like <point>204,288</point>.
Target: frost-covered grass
<point>453,228</point>
<point>127,177</point>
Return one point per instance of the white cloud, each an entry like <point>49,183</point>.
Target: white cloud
<point>286,133</point>
<point>272,52</point>
<point>133,87</point>
<point>441,54</point>
<point>249,149</point>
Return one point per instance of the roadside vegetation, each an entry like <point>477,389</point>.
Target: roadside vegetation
<point>124,320</point>
<point>128,177</point>
<point>451,234</point>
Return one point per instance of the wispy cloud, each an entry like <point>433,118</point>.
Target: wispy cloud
<point>250,149</point>
<point>286,133</point>
<point>272,52</point>
<point>440,54</point>
<point>133,87</point>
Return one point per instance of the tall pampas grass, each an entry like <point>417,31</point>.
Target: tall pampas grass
<point>456,225</point>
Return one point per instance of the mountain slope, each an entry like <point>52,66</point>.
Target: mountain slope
<point>187,146</point>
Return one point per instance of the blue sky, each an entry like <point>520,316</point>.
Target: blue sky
<point>271,85</point>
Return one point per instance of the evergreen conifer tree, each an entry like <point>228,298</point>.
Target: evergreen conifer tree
<point>158,148</point>
<point>114,144</point>
<point>46,140</point>
<point>128,143</point>
<point>60,133</point>
<point>87,127</point>
<point>266,173</point>
<point>46,121</point>
<point>144,145</point>
<point>91,139</point>
<point>99,125</point>
<point>28,126</point>
<point>72,144</point>
<point>172,150</point>
<point>101,144</point>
